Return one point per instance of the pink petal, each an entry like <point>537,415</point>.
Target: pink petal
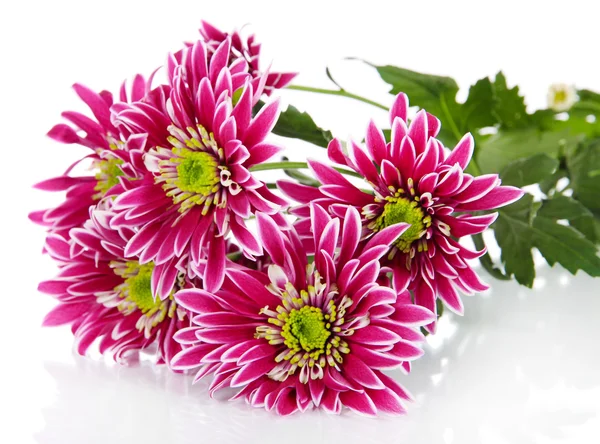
<point>358,402</point>
<point>215,264</point>
<point>252,371</point>
<point>399,107</point>
<point>65,314</point>
<point>387,401</point>
<point>462,153</point>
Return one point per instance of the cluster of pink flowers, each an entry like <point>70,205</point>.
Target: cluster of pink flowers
<point>156,253</point>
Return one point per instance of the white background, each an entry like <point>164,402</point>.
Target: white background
<point>520,367</point>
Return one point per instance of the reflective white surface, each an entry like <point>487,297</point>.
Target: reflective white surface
<point>520,367</point>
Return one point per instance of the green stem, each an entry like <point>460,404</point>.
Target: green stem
<point>337,92</point>
<point>295,166</point>
<point>449,118</point>
<point>486,260</point>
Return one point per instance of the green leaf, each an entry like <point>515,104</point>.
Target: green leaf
<point>529,170</point>
<point>510,107</point>
<point>424,90</point>
<point>478,109</point>
<point>582,164</point>
<point>512,230</point>
<point>589,227</point>
<point>579,217</point>
<point>299,125</point>
<point>563,207</point>
<point>586,95</point>
<point>548,184</point>
<point>521,226</point>
<point>507,146</point>
<point>565,245</point>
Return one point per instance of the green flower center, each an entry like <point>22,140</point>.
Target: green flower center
<point>306,328</point>
<point>400,209</point>
<point>197,171</point>
<point>138,287</point>
<point>108,176</point>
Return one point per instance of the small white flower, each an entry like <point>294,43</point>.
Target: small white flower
<point>561,96</point>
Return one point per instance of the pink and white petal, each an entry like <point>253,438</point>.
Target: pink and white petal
<point>359,403</point>
<point>462,153</point>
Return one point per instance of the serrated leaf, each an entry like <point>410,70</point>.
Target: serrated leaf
<point>520,227</point>
<point>549,183</point>
<point>582,164</point>
<point>512,230</point>
<point>565,245</point>
<point>589,227</point>
<point>529,170</point>
<point>424,90</point>
<point>510,107</point>
<point>579,217</point>
<point>507,146</point>
<point>563,207</point>
<point>478,110</point>
<point>300,125</point>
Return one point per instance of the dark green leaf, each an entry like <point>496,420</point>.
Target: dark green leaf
<point>424,90</point>
<point>565,245</point>
<point>549,183</point>
<point>510,107</point>
<point>299,125</point>
<point>529,170</point>
<point>509,145</point>
<point>563,207</point>
<point>520,227</point>
<point>585,184</point>
<point>478,109</point>
<point>588,226</point>
<point>512,230</point>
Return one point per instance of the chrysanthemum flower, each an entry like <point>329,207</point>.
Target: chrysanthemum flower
<point>561,97</point>
<point>415,180</point>
<point>109,298</point>
<point>306,333</point>
<point>197,187</point>
<point>106,145</point>
<point>248,49</point>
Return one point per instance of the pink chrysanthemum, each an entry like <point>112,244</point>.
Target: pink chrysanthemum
<point>197,186</point>
<point>107,146</point>
<point>417,181</point>
<point>107,297</point>
<point>306,333</point>
<point>248,49</point>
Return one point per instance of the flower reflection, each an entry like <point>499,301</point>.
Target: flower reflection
<point>498,375</point>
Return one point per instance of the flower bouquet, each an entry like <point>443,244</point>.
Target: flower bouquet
<point>301,293</point>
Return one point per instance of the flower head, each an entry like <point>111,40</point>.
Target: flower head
<point>414,180</point>
<point>107,147</point>
<point>561,97</point>
<point>249,50</point>
<point>196,186</point>
<point>306,333</point>
<point>110,298</point>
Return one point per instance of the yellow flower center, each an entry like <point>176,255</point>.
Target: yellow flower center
<point>137,287</point>
<point>306,328</point>
<point>108,175</point>
<point>560,96</point>
<point>400,209</point>
<point>197,171</point>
